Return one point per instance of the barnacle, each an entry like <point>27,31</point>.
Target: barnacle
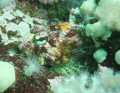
<point>40,40</point>
<point>66,68</point>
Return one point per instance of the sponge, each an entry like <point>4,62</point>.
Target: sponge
<point>88,7</point>
<point>100,55</point>
<point>117,57</point>
<point>7,75</point>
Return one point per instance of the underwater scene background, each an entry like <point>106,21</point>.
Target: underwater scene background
<point>59,46</point>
